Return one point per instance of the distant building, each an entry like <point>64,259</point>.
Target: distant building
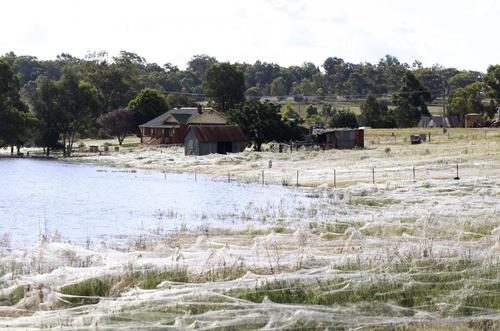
<point>339,138</point>
<point>171,127</point>
<point>473,120</point>
<point>211,139</point>
<point>424,122</point>
<point>437,122</point>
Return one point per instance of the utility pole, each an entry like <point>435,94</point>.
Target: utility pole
<point>444,106</point>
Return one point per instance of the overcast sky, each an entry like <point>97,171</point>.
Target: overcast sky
<point>459,33</point>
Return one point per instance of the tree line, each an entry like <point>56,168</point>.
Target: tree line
<point>51,102</point>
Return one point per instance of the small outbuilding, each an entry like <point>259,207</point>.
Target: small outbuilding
<point>473,120</point>
<point>339,138</point>
<point>211,139</point>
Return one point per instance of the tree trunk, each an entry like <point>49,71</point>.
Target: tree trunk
<point>48,151</point>
<point>11,149</point>
<point>64,143</point>
<point>71,140</point>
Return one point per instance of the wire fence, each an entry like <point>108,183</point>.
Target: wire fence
<point>342,177</point>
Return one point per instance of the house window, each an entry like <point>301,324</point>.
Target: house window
<point>147,131</point>
<point>171,132</point>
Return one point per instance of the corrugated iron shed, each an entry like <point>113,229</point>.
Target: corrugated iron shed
<point>214,133</point>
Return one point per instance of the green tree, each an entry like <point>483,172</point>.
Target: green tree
<point>306,87</point>
<point>16,127</point>
<point>79,107</point>
<point>112,84</point>
<point>278,87</point>
<point>470,100</point>
<point>253,91</point>
<point>393,71</point>
<point>224,83</point>
<point>492,78</point>
<point>178,99</point>
<point>289,113</point>
<point>16,122</point>
<point>343,119</point>
<point>411,101</point>
<point>46,107</point>
<point>373,112</point>
<point>199,64</point>
<point>262,122</point>
<point>464,78</point>
<point>147,104</point>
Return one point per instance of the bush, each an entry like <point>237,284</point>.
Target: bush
<point>343,119</point>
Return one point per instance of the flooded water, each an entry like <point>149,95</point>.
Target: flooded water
<point>89,202</point>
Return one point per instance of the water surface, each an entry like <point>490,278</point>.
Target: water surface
<point>89,202</point>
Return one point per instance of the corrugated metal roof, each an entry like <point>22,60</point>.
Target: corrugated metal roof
<point>181,115</point>
<point>213,133</point>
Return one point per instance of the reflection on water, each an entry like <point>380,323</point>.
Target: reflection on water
<point>88,202</point>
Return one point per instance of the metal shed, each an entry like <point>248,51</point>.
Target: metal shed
<point>211,139</point>
<point>339,138</point>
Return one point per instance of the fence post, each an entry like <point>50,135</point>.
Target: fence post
<point>228,177</point>
<point>457,178</point>
<point>262,178</point>
<point>297,181</point>
<point>373,175</point>
<point>334,178</point>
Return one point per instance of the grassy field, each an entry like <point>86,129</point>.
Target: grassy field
<point>401,253</point>
<point>353,106</point>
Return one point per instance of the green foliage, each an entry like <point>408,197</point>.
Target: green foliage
<point>88,291</point>
<point>470,100</point>
<point>262,122</point>
<point>289,113</point>
<point>46,107</point>
<point>462,79</point>
<point>225,84</point>
<point>492,78</point>
<point>150,279</point>
<point>411,101</point>
<point>78,105</point>
<point>16,122</point>
<point>375,113</point>
<point>343,119</point>
<point>278,87</point>
<point>306,87</point>
<point>147,104</point>
<point>177,99</point>
<point>452,289</point>
<point>199,65</point>
<point>311,110</point>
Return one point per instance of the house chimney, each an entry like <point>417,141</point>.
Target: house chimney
<point>200,109</point>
